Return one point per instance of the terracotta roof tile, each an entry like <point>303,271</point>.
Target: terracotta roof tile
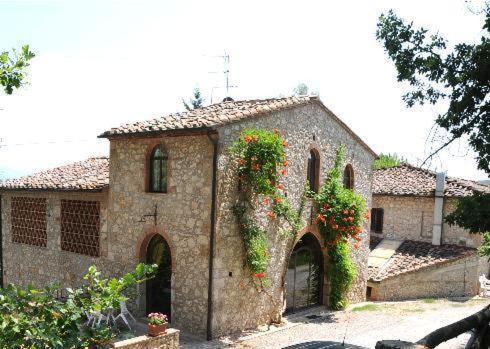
<point>414,255</point>
<point>209,116</point>
<point>220,114</point>
<point>91,175</point>
<point>406,179</point>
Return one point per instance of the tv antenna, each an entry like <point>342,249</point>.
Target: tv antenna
<point>226,73</point>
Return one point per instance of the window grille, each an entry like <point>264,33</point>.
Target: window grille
<point>80,227</point>
<point>28,219</point>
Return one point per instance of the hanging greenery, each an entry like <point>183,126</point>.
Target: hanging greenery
<point>261,160</point>
<point>340,216</point>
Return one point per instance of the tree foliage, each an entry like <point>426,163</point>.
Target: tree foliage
<point>340,216</point>
<point>195,102</point>
<point>460,76</point>
<point>388,160</point>
<point>13,68</point>
<point>37,319</point>
<point>301,89</point>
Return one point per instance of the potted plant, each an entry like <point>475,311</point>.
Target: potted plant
<point>157,324</point>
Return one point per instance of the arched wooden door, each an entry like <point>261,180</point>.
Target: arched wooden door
<point>158,295</point>
<point>304,277</point>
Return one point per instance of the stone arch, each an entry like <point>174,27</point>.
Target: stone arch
<point>304,274</point>
<point>141,251</point>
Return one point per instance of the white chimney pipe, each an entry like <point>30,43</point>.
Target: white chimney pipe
<point>438,207</point>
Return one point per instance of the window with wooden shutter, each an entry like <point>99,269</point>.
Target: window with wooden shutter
<point>80,227</point>
<point>377,220</point>
<point>28,221</point>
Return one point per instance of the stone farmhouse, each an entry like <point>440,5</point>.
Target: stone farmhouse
<point>165,195</point>
<point>414,253</point>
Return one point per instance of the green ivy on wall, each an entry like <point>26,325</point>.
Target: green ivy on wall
<point>262,163</point>
<point>340,215</point>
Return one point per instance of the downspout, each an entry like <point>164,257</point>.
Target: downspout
<point>213,137</point>
<point>438,207</point>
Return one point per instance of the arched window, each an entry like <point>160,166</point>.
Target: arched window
<point>349,177</point>
<point>158,170</point>
<point>312,170</point>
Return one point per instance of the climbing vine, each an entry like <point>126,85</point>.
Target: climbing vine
<point>261,160</point>
<point>340,216</point>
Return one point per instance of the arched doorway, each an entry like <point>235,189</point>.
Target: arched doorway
<point>158,289</point>
<point>304,277</point>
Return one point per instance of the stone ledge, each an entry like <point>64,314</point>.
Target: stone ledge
<point>169,340</point>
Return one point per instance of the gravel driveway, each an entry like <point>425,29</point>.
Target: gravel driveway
<point>362,326</point>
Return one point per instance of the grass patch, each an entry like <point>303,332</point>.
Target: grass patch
<point>366,307</point>
<point>429,300</point>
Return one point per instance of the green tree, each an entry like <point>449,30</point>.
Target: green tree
<point>36,319</point>
<point>195,102</point>
<point>13,68</point>
<point>301,89</point>
<point>388,160</point>
<point>459,76</point>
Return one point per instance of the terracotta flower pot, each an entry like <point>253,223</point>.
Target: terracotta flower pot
<point>156,330</point>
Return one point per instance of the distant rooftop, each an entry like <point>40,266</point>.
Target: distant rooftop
<point>88,175</point>
<point>408,180</point>
<point>413,255</point>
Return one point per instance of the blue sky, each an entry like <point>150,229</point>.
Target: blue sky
<point>103,63</point>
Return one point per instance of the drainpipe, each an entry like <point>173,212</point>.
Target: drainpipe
<point>213,137</point>
<point>438,206</point>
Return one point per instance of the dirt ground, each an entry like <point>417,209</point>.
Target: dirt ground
<point>360,326</point>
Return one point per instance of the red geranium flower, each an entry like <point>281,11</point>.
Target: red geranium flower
<point>247,139</point>
<point>285,163</point>
<point>285,143</point>
<point>259,275</point>
<point>272,215</point>
<point>266,201</point>
<point>283,171</point>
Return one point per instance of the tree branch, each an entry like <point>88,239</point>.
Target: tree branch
<point>439,149</point>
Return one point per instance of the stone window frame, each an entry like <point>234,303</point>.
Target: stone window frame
<point>348,177</point>
<point>93,228</point>
<point>36,223</point>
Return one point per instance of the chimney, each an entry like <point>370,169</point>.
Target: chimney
<point>438,204</point>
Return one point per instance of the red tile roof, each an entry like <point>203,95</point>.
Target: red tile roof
<point>219,114</point>
<point>408,180</point>
<point>88,175</point>
<point>414,255</point>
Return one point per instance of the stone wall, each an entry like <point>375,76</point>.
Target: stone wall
<point>237,304</point>
<point>412,217</point>
<point>453,279</point>
<point>27,264</point>
<point>183,218</point>
<point>169,340</point>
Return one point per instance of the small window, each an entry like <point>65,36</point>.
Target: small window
<point>377,220</point>
<point>158,170</point>
<point>312,170</point>
<point>349,177</point>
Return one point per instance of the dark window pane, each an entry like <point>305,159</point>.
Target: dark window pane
<point>158,170</point>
